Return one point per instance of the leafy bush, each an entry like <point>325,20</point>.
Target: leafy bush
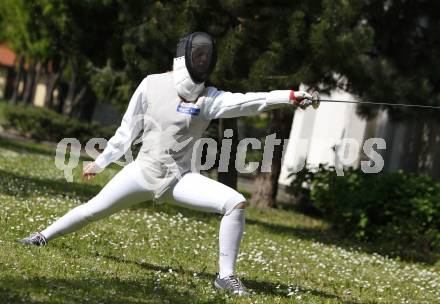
<point>45,124</point>
<point>369,206</point>
<point>300,188</point>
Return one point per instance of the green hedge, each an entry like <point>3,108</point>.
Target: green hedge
<point>369,206</point>
<point>45,124</point>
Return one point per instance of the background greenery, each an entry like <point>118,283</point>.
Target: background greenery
<point>399,208</point>
<point>46,124</point>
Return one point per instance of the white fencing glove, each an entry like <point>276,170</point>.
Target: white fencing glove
<point>300,98</point>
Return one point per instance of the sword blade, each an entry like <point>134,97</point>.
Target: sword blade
<point>382,103</point>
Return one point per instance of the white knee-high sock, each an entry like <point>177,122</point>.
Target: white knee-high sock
<point>231,231</point>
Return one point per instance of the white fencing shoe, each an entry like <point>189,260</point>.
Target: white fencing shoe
<point>36,239</point>
<point>231,284</point>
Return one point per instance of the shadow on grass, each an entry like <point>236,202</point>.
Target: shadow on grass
<point>25,186</point>
<point>93,290</point>
<point>277,289</point>
<point>29,146</point>
<point>25,146</point>
<point>329,237</point>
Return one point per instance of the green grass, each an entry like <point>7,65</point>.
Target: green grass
<point>161,254</point>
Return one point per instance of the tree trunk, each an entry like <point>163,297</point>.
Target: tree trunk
<point>89,102</point>
<point>52,83</point>
<point>16,96</point>
<point>36,81</point>
<point>63,88</point>
<point>30,84</point>
<point>79,103</point>
<point>413,146</point>
<point>266,183</point>
<point>70,98</point>
<point>229,178</point>
<point>9,89</point>
<point>434,146</point>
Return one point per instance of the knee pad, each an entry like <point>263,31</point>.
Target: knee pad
<point>232,201</point>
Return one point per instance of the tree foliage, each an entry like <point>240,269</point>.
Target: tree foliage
<point>403,64</point>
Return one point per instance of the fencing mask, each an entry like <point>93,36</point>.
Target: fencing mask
<point>195,60</point>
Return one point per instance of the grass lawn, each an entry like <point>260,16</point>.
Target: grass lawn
<point>161,254</point>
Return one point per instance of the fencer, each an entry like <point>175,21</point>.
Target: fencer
<point>172,110</point>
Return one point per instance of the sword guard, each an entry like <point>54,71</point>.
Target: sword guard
<point>316,101</point>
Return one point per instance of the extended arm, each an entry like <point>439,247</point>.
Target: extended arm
<point>131,125</point>
<point>220,104</point>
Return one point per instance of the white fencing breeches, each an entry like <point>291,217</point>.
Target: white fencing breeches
<point>124,190</point>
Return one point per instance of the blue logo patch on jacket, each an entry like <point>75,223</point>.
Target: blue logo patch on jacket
<point>190,109</point>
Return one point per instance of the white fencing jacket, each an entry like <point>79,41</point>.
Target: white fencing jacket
<point>172,126</point>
